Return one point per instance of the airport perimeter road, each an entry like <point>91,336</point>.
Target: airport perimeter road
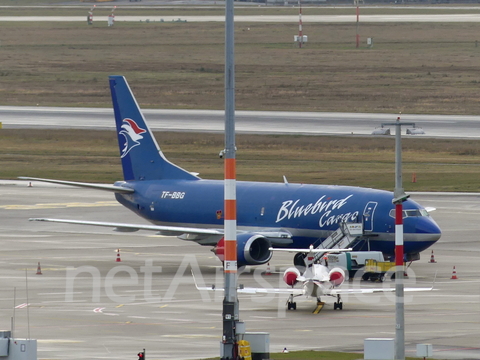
<point>266,122</point>
<point>268,18</point>
<point>85,305</point>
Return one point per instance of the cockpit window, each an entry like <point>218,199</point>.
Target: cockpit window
<point>410,213</point>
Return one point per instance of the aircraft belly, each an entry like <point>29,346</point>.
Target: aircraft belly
<point>311,289</point>
<point>387,246</point>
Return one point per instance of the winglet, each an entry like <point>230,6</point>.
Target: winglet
<point>434,279</point>
<point>194,279</point>
<point>204,288</point>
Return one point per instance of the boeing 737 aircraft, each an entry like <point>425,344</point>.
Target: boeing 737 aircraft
<point>178,202</point>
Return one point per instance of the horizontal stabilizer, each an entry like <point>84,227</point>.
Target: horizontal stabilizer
<point>105,187</point>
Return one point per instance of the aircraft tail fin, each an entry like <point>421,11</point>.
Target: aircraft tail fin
<point>141,156</point>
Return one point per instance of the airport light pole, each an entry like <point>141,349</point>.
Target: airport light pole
<point>230,302</point>
<point>357,35</point>
<point>300,25</point>
<point>399,197</point>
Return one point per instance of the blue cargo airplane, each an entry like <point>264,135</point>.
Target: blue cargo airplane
<point>178,202</point>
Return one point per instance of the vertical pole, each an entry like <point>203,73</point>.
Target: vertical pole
<point>28,306</point>
<point>111,17</point>
<point>90,15</point>
<point>300,25</point>
<point>230,301</point>
<point>14,304</point>
<point>399,270</point>
<point>357,37</point>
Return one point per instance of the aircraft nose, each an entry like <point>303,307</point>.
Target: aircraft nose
<point>428,227</point>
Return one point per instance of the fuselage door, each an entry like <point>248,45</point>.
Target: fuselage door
<point>368,213</point>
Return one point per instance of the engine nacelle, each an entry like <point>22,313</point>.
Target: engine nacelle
<point>290,276</point>
<point>252,249</point>
<point>337,276</point>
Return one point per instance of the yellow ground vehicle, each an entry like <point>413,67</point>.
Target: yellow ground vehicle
<point>378,270</point>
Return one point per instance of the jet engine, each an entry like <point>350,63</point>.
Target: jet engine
<point>337,276</point>
<point>252,249</point>
<point>290,276</point>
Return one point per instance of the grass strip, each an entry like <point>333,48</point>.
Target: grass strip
<point>92,155</point>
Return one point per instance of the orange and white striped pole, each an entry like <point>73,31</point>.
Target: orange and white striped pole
<point>230,314</point>
<point>399,197</point>
<point>90,15</point>
<point>230,237</point>
<point>230,197</point>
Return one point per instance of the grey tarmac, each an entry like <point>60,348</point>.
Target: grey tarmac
<point>272,122</point>
<point>136,305</point>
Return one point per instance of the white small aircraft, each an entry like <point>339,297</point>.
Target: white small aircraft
<point>317,280</point>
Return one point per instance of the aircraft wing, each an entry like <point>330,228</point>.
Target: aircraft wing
<point>251,290</point>
<point>186,233</point>
<point>122,227</point>
<point>277,237</point>
<point>310,250</point>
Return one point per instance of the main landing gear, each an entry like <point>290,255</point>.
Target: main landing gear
<point>338,304</point>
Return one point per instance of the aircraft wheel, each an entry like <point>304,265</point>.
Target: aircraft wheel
<point>289,305</point>
<point>294,306</point>
<point>340,306</point>
<point>335,305</point>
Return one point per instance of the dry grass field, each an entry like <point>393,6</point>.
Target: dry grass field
<point>439,165</point>
<point>412,68</point>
